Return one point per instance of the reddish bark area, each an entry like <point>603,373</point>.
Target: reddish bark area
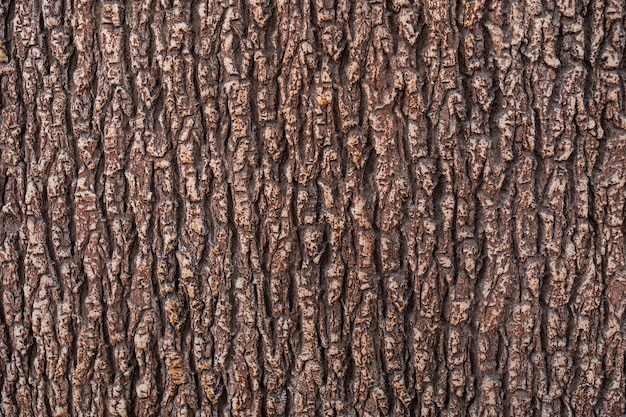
<point>312,208</point>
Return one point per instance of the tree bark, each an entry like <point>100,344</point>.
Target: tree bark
<point>312,208</point>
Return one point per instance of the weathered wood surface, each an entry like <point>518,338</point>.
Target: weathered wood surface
<point>333,208</point>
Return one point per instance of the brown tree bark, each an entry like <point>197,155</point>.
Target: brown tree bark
<point>312,208</point>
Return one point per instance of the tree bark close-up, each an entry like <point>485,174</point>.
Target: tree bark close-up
<point>312,208</point>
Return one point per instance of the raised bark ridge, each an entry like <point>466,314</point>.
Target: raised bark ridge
<point>337,208</point>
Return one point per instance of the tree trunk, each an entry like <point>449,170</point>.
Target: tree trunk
<point>312,208</point>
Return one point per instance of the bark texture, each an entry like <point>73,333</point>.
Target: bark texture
<point>312,208</point>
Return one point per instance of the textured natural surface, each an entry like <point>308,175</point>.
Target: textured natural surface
<point>312,208</point>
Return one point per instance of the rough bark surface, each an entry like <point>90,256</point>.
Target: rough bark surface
<point>312,208</point>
